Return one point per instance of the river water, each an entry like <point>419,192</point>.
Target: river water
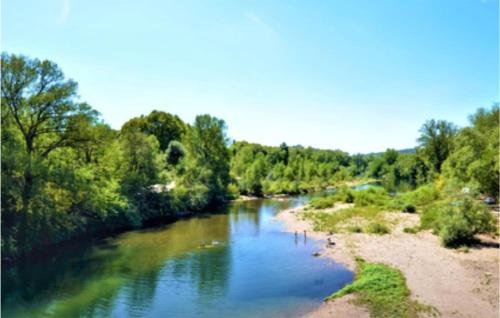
<point>236,262</point>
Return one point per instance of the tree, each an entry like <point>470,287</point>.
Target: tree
<point>474,160</point>
<point>40,103</point>
<point>206,142</point>
<point>284,153</point>
<point>436,140</point>
<point>164,126</point>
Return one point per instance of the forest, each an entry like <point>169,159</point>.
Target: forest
<point>66,174</point>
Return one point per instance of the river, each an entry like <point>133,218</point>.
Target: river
<point>235,262</point>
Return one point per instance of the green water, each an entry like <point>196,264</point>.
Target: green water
<point>235,263</point>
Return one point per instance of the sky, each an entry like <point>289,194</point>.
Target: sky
<point>355,75</point>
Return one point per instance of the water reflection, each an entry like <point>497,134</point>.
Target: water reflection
<point>236,262</point>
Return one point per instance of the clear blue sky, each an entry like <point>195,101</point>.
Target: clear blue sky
<point>360,76</point>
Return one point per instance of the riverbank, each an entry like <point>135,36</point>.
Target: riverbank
<point>282,196</point>
<point>455,283</point>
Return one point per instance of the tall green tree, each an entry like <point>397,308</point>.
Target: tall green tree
<point>436,140</point>
<point>41,106</point>
<point>474,160</point>
<point>164,126</point>
<point>206,142</point>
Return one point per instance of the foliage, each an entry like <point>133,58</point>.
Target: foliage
<point>260,169</point>
<point>458,220</point>
<point>383,290</point>
<point>66,174</point>
<point>208,160</point>
<point>339,220</point>
<point>475,161</point>
<point>371,197</point>
<point>436,140</point>
<point>377,228</point>
<point>164,126</point>
<point>342,194</point>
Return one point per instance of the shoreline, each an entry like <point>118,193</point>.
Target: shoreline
<point>455,283</point>
<point>282,196</point>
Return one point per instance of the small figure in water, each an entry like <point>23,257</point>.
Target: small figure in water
<point>330,242</point>
<point>305,237</point>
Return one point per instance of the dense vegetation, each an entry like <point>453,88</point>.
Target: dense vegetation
<point>67,174</point>
<point>262,170</point>
<point>445,180</point>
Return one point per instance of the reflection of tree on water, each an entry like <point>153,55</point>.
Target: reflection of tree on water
<point>245,217</point>
<point>88,284</point>
<point>208,268</point>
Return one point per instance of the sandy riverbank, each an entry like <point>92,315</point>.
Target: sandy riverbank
<point>457,284</point>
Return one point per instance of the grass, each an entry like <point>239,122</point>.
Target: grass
<point>383,290</point>
<point>411,230</point>
<point>335,222</point>
<point>367,215</point>
<point>355,229</point>
<point>377,228</point>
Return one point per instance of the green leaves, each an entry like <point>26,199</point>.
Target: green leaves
<point>475,161</point>
<point>208,157</point>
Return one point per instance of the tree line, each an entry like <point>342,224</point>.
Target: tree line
<point>67,174</point>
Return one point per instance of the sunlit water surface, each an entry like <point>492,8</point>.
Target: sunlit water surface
<point>235,263</point>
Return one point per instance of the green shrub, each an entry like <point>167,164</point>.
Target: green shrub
<point>344,194</point>
<point>377,228</point>
<point>458,221</point>
<point>421,196</point>
<point>455,230</point>
<point>371,197</point>
<point>322,202</point>
<point>233,191</point>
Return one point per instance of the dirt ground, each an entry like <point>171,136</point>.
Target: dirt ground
<point>456,283</point>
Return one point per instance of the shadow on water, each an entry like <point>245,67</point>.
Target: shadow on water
<point>234,262</point>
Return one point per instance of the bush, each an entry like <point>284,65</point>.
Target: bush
<point>458,221</point>
<point>423,195</point>
<point>456,231</point>
<point>409,208</point>
<point>345,194</point>
<point>377,228</point>
<point>323,202</point>
<point>233,191</point>
<point>371,196</point>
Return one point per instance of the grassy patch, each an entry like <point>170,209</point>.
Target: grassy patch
<point>377,228</point>
<point>354,229</point>
<point>383,290</point>
<point>411,230</point>
<point>332,222</point>
<point>342,194</point>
